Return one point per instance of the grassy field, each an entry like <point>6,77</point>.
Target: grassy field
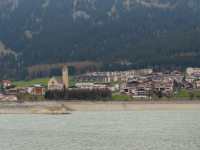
<point>115,92</point>
<point>183,94</point>
<point>46,80</point>
<point>36,81</point>
<point>40,97</point>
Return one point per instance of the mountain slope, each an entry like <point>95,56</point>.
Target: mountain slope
<point>139,31</point>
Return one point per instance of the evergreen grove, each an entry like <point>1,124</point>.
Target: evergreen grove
<point>78,94</point>
<point>148,37</point>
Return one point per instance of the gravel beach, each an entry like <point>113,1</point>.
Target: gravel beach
<point>64,107</point>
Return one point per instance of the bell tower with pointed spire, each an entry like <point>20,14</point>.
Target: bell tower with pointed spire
<point>65,76</point>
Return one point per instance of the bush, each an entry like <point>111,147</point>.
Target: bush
<point>191,95</point>
<point>10,87</point>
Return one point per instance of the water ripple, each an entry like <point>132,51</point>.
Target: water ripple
<point>100,130</point>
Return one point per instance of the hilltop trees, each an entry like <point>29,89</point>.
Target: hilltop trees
<point>160,38</point>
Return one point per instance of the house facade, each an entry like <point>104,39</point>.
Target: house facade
<point>39,90</point>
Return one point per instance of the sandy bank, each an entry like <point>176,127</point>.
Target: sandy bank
<point>125,106</point>
<point>64,107</point>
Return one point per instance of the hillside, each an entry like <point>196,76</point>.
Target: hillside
<point>147,33</point>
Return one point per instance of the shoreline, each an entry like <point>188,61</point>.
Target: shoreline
<point>65,107</point>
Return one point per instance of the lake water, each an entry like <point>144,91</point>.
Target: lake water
<point>102,130</point>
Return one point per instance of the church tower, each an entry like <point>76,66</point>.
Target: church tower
<point>65,76</point>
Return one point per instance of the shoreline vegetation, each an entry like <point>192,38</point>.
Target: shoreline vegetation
<point>67,107</point>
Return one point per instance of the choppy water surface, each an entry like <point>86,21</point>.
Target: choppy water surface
<point>122,130</point>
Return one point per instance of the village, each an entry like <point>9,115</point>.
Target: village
<point>139,84</point>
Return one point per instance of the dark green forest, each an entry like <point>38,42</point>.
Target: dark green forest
<point>147,36</point>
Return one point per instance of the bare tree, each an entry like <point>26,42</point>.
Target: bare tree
<point>30,98</point>
<point>35,97</point>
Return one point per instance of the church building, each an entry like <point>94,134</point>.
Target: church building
<point>57,83</point>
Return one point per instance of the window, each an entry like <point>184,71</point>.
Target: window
<point>52,82</point>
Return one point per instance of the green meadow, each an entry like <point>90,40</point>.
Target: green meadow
<point>40,97</point>
<point>45,81</point>
<point>36,81</point>
<point>183,94</point>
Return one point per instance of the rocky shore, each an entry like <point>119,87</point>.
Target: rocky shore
<point>66,107</point>
<point>42,107</point>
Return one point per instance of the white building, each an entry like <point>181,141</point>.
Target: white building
<point>190,70</point>
<point>85,85</point>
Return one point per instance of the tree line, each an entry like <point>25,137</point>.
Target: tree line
<point>78,94</point>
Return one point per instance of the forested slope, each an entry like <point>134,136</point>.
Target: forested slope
<point>148,33</point>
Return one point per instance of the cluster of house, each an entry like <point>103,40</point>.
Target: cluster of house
<point>21,90</point>
<point>144,85</point>
<point>145,89</point>
<point>193,78</point>
<point>28,89</point>
<point>119,75</point>
<point>100,86</point>
<point>139,83</point>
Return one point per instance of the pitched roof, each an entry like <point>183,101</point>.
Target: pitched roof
<point>6,81</point>
<point>58,79</point>
<point>13,89</point>
<point>141,85</point>
<point>129,88</point>
<point>10,96</point>
<point>3,97</point>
